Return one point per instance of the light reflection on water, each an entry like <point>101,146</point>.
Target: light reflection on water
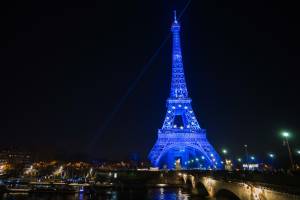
<point>110,194</point>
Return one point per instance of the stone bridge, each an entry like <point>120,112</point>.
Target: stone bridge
<point>242,185</point>
<point>222,185</point>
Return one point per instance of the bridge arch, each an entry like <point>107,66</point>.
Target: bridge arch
<point>222,190</point>
<point>189,183</point>
<point>225,194</point>
<point>197,187</point>
<point>201,189</point>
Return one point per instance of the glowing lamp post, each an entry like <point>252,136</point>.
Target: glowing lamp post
<point>271,159</point>
<point>246,154</point>
<point>239,164</point>
<point>298,152</point>
<point>285,136</point>
<point>224,152</point>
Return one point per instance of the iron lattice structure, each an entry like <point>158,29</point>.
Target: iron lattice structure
<point>181,140</point>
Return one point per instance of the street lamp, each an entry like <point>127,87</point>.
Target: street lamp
<point>271,160</point>
<point>252,158</point>
<point>246,153</point>
<point>271,155</point>
<point>298,152</point>
<point>224,151</point>
<point>286,135</point>
<point>239,160</point>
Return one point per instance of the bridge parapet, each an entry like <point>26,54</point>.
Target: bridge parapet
<point>279,179</point>
<point>245,185</point>
<point>244,191</point>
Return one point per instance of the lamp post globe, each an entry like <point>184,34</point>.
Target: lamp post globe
<point>285,134</point>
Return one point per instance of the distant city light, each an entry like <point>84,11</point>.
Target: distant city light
<point>59,171</point>
<point>224,151</point>
<point>298,151</point>
<point>252,158</point>
<point>239,159</point>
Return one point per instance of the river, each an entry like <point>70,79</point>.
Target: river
<point>111,194</point>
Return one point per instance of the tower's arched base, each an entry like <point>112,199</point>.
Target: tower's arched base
<point>185,151</point>
<point>187,158</point>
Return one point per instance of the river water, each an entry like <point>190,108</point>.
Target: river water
<point>111,194</point>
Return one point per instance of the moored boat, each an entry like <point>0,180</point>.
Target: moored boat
<point>18,188</point>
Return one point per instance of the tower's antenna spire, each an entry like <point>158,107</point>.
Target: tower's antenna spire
<point>175,17</point>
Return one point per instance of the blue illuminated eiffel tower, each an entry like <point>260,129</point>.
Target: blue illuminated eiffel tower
<point>181,140</point>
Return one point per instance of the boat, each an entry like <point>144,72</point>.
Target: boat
<point>52,187</point>
<point>18,188</point>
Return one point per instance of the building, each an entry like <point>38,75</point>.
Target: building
<point>181,142</point>
<point>15,157</point>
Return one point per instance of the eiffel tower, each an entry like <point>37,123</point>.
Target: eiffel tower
<point>181,143</point>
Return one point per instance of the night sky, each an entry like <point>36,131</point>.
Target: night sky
<point>66,67</point>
